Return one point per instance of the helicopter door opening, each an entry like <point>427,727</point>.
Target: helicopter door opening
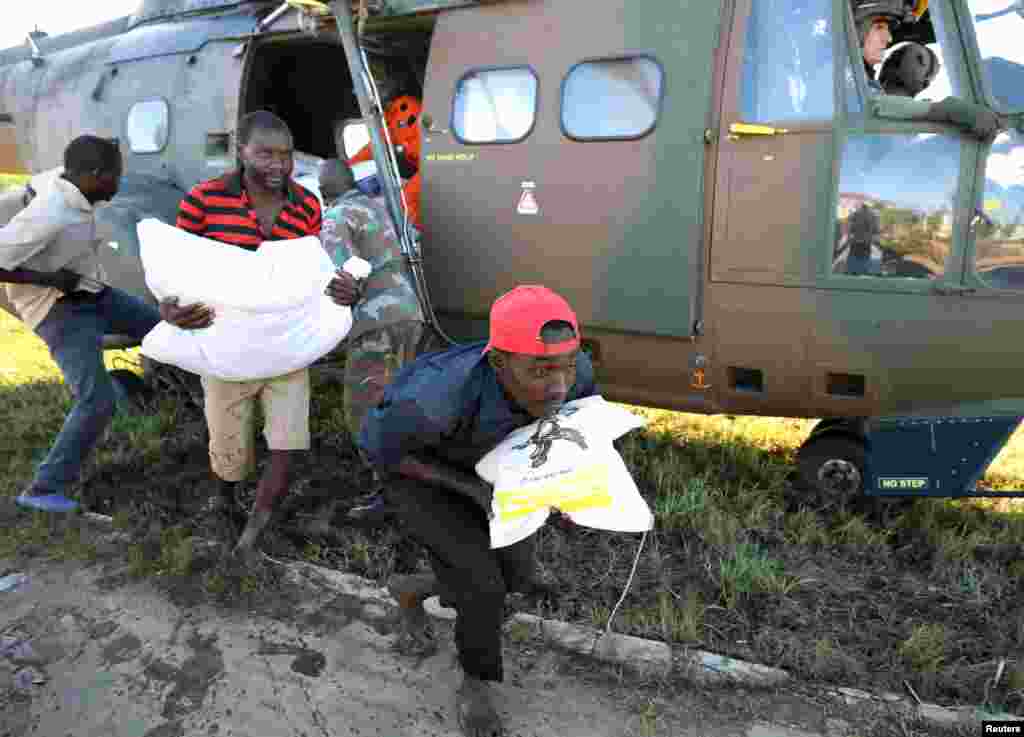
<point>306,84</point>
<point>771,203</point>
<point>777,120</point>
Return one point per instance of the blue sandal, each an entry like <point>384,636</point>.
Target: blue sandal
<point>46,502</point>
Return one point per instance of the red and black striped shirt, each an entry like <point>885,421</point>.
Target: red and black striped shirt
<point>221,209</point>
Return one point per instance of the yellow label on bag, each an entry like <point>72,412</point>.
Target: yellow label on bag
<point>573,491</point>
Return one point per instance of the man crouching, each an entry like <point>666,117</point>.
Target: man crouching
<point>438,418</point>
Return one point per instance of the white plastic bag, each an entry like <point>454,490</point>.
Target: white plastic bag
<point>567,463</point>
<point>272,316</point>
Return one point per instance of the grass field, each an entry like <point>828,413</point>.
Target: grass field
<point>739,563</point>
<point>26,360</point>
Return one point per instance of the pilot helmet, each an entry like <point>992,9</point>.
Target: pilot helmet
<point>895,11</point>
<point>909,69</point>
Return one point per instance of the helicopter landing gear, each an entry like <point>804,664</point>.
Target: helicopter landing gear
<point>832,465</point>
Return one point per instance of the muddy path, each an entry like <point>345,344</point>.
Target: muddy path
<point>110,654</point>
<point>844,619</point>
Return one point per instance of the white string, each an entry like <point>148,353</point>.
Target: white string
<point>629,583</point>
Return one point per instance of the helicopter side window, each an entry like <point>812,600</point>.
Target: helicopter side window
<point>894,215</point>
<point>999,230</point>
<point>788,62</point>
<point>495,105</point>
<point>147,126</point>
<point>609,99</point>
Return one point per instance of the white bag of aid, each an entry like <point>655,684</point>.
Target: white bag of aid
<point>567,463</point>
<point>272,316</point>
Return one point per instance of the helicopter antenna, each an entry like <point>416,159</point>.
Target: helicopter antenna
<point>37,55</point>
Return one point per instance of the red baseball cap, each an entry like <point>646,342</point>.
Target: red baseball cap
<point>517,318</point>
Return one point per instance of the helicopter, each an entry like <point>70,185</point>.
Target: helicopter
<point>693,177</point>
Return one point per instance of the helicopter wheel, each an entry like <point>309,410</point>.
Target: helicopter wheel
<point>833,467</point>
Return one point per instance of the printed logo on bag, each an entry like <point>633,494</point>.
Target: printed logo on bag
<point>548,431</point>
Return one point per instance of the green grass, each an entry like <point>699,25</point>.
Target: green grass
<point>925,649</point>
<point>668,619</point>
<point>57,540</point>
<point>682,508</point>
<point>716,486</point>
<point>717,476</point>
<point>34,402</point>
<point>747,570</point>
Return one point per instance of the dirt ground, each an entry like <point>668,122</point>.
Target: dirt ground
<point>846,621</point>
<point>113,654</point>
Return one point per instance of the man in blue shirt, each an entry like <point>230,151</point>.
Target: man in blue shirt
<point>437,419</point>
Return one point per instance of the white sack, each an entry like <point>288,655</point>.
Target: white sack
<point>581,474</point>
<point>272,316</point>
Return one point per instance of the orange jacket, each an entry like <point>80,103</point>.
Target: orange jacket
<point>403,121</point>
<point>402,118</point>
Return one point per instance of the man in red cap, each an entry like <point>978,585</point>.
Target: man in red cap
<point>440,415</point>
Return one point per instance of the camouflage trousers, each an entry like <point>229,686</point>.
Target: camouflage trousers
<point>372,361</point>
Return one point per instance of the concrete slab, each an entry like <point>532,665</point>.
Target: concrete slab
<point>775,730</point>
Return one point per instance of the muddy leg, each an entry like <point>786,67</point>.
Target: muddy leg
<point>474,704</point>
<point>273,485</point>
<point>228,509</point>
<point>416,637</point>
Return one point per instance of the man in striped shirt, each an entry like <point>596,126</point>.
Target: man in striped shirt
<point>258,202</point>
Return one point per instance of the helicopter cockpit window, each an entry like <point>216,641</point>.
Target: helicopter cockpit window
<point>999,27</point>
<point>147,127</point>
<point>913,65</point>
<point>895,209</point>
<point>495,105</point>
<point>999,229</point>
<point>787,64</point>
<point>609,99</point>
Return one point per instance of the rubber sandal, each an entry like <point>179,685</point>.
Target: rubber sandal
<point>47,502</point>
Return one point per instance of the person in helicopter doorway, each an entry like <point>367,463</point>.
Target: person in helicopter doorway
<point>258,202</point>
<point>388,328</point>
<point>402,112</point>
